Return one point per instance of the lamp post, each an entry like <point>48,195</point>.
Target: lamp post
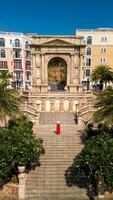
<point>76,113</point>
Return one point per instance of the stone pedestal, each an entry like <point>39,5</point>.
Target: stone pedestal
<point>44,88</point>
<point>76,88</point>
<point>22,182</point>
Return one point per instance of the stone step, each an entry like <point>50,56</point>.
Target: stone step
<point>52,118</point>
<point>54,190</point>
<point>58,198</point>
<point>56,195</point>
<point>47,182</point>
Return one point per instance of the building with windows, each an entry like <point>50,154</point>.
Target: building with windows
<point>98,51</point>
<point>15,56</point>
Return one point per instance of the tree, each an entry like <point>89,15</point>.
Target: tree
<point>18,146</point>
<point>104,103</point>
<point>93,165</point>
<point>5,78</point>
<point>9,98</point>
<point>102,74</point>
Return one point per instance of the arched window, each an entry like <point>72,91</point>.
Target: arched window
<point>27,45</point>
<point>89,40</point>
<point>2,42</point>
<point>17,43</point>
<point>2,53</point>
<point>103,50</point>
<point>88,51</point>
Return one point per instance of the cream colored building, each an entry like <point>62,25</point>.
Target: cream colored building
<point>99,49</point>
<point>15,56</point>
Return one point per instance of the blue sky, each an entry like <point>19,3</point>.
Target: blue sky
<point>54,16</point>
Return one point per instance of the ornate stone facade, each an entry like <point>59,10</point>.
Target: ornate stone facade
<point>71,50</point>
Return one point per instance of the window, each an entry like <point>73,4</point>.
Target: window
<point>10,41</point>
<point>88,51</point>
<point>17,64</point>
<point>89,40</point>
<point>2,53</point>
<point>104,39</point>
<point>88,62</point>
<point>27,45</point>
<point>17,54</point>
<point>28,65</point>
<point>3,64</point>
<point>103,61</point>
<point>19,75</point>
<point>28,76</point>
<point>2,42</point>
<point>11,62</point>
<point>17,43</point>
<point>28,55</point>
<point>103,50</point>
<point>87,72</point>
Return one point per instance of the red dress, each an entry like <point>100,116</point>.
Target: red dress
<point>58,128</point>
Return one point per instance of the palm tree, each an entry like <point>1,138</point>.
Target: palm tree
<point>102,74</point>
<point>5,78</point>
<point>104,103</point>
<point>9,98</point>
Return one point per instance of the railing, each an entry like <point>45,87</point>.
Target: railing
<point>17,57</point>
<point>28,108</point>
<point>17,45</point>
<point>85,109</point>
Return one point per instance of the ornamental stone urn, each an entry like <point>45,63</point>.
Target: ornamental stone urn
<point>21,169</point>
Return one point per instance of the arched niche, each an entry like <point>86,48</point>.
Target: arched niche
<point>57,74</point>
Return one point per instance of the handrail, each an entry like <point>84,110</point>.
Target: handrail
<point>27,107</point>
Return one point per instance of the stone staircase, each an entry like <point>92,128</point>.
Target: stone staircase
<point>52,118</point>
<point>47,182</point>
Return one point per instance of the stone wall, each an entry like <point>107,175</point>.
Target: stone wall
<point>9,192</point>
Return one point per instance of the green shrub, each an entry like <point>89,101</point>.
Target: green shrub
<point>18,146</point>
<point>94,163</point>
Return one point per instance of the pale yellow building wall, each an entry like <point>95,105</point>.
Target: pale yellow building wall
<point>97,55</point>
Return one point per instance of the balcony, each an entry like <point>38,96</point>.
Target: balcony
<point>28,68</point>
<point>3,65</point>
<point>18,69</point>
<point>17,46</point>
<point>28,58</point>
<point>27,47</point>
<point>17,56</point>
<point>3,68</point>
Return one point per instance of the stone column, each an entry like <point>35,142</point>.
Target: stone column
<point>38,69</point>
<point>42,66</point>
<point>37,60</point>
<point>33,69</point>
<point>72,70</point>
<point>46,71</point>
<point>68,72</point>
<point>76,70</point>
<point>80,65</point>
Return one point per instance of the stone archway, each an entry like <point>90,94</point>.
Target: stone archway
<point>66,105</point>
<point>57,74</point>
<point>48,105</point>
<point>57,105</point>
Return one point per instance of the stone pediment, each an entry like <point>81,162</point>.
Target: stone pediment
<point>57,42</point>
